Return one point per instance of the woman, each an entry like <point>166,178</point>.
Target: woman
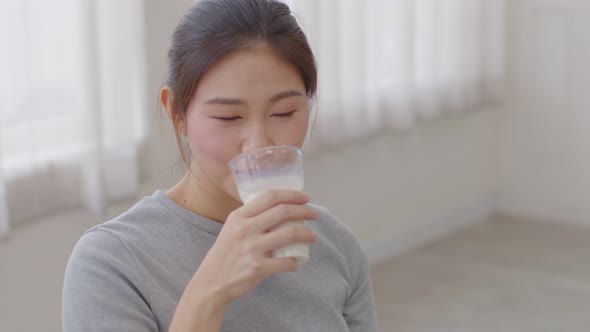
<point>194,258</point>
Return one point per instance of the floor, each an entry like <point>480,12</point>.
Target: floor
<point>503,275</point>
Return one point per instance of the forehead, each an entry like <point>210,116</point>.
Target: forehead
<point>249,74</point>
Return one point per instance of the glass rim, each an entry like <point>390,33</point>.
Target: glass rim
<point>273,147</point>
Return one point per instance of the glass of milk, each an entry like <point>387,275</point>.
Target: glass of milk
<point>275,167</point>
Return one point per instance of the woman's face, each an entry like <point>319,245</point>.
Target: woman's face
<point>248,100</point>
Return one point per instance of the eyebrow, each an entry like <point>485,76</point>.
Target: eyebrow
<point>273,99</point>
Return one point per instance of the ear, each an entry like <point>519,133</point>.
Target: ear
<point>167,100</point>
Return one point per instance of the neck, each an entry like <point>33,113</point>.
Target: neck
<point>203,198</point>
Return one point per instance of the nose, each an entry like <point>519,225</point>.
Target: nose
<point>257,137</point>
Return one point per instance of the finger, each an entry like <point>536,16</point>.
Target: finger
<point>297,233</point>
<point>272,198</point>
<point>280,214</point>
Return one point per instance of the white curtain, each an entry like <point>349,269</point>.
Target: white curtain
<point>383,64</point>
<point>72,95</point>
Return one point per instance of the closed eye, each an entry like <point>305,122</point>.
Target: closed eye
<point>227,119</point>
<point>284,115</point>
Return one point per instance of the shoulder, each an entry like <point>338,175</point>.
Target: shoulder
<point>328,223</point>
<point>146,213</point>
<point>100,253</point>
<point>327,219</point>
<point>105,257</point>
<point>109,247</point>
<point>338,233</point>
<point>103,279</point>
<point>140,223</point>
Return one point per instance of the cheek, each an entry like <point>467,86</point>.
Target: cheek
<point>209,144</point>
<point>212,149</point>
<point>294,134</point>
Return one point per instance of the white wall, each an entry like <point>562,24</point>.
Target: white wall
<point>545,164</point>
<point>399,191</point>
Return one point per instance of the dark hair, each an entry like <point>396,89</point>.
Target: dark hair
<point>214,28</point>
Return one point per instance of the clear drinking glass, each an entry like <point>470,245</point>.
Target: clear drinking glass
<point>275,167</point>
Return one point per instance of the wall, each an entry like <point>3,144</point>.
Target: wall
<point>545,158</point>
<point>399,191</point>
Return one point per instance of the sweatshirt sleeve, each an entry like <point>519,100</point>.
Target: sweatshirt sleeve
<point>104,289</point>
<point>359,308</point>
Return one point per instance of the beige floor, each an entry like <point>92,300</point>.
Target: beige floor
<point>503,275</point>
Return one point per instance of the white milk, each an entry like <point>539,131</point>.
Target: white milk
<point>250,189</point>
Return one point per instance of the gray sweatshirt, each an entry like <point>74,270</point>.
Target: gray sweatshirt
<point>129,273</point>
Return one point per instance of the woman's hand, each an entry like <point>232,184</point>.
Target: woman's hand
<point>241,256</point>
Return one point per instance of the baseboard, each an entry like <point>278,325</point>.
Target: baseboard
<point>581,222</point>
<point>395,242</point>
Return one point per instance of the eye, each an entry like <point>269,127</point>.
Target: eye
<point>228,118</point>
<point>284,115</point>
